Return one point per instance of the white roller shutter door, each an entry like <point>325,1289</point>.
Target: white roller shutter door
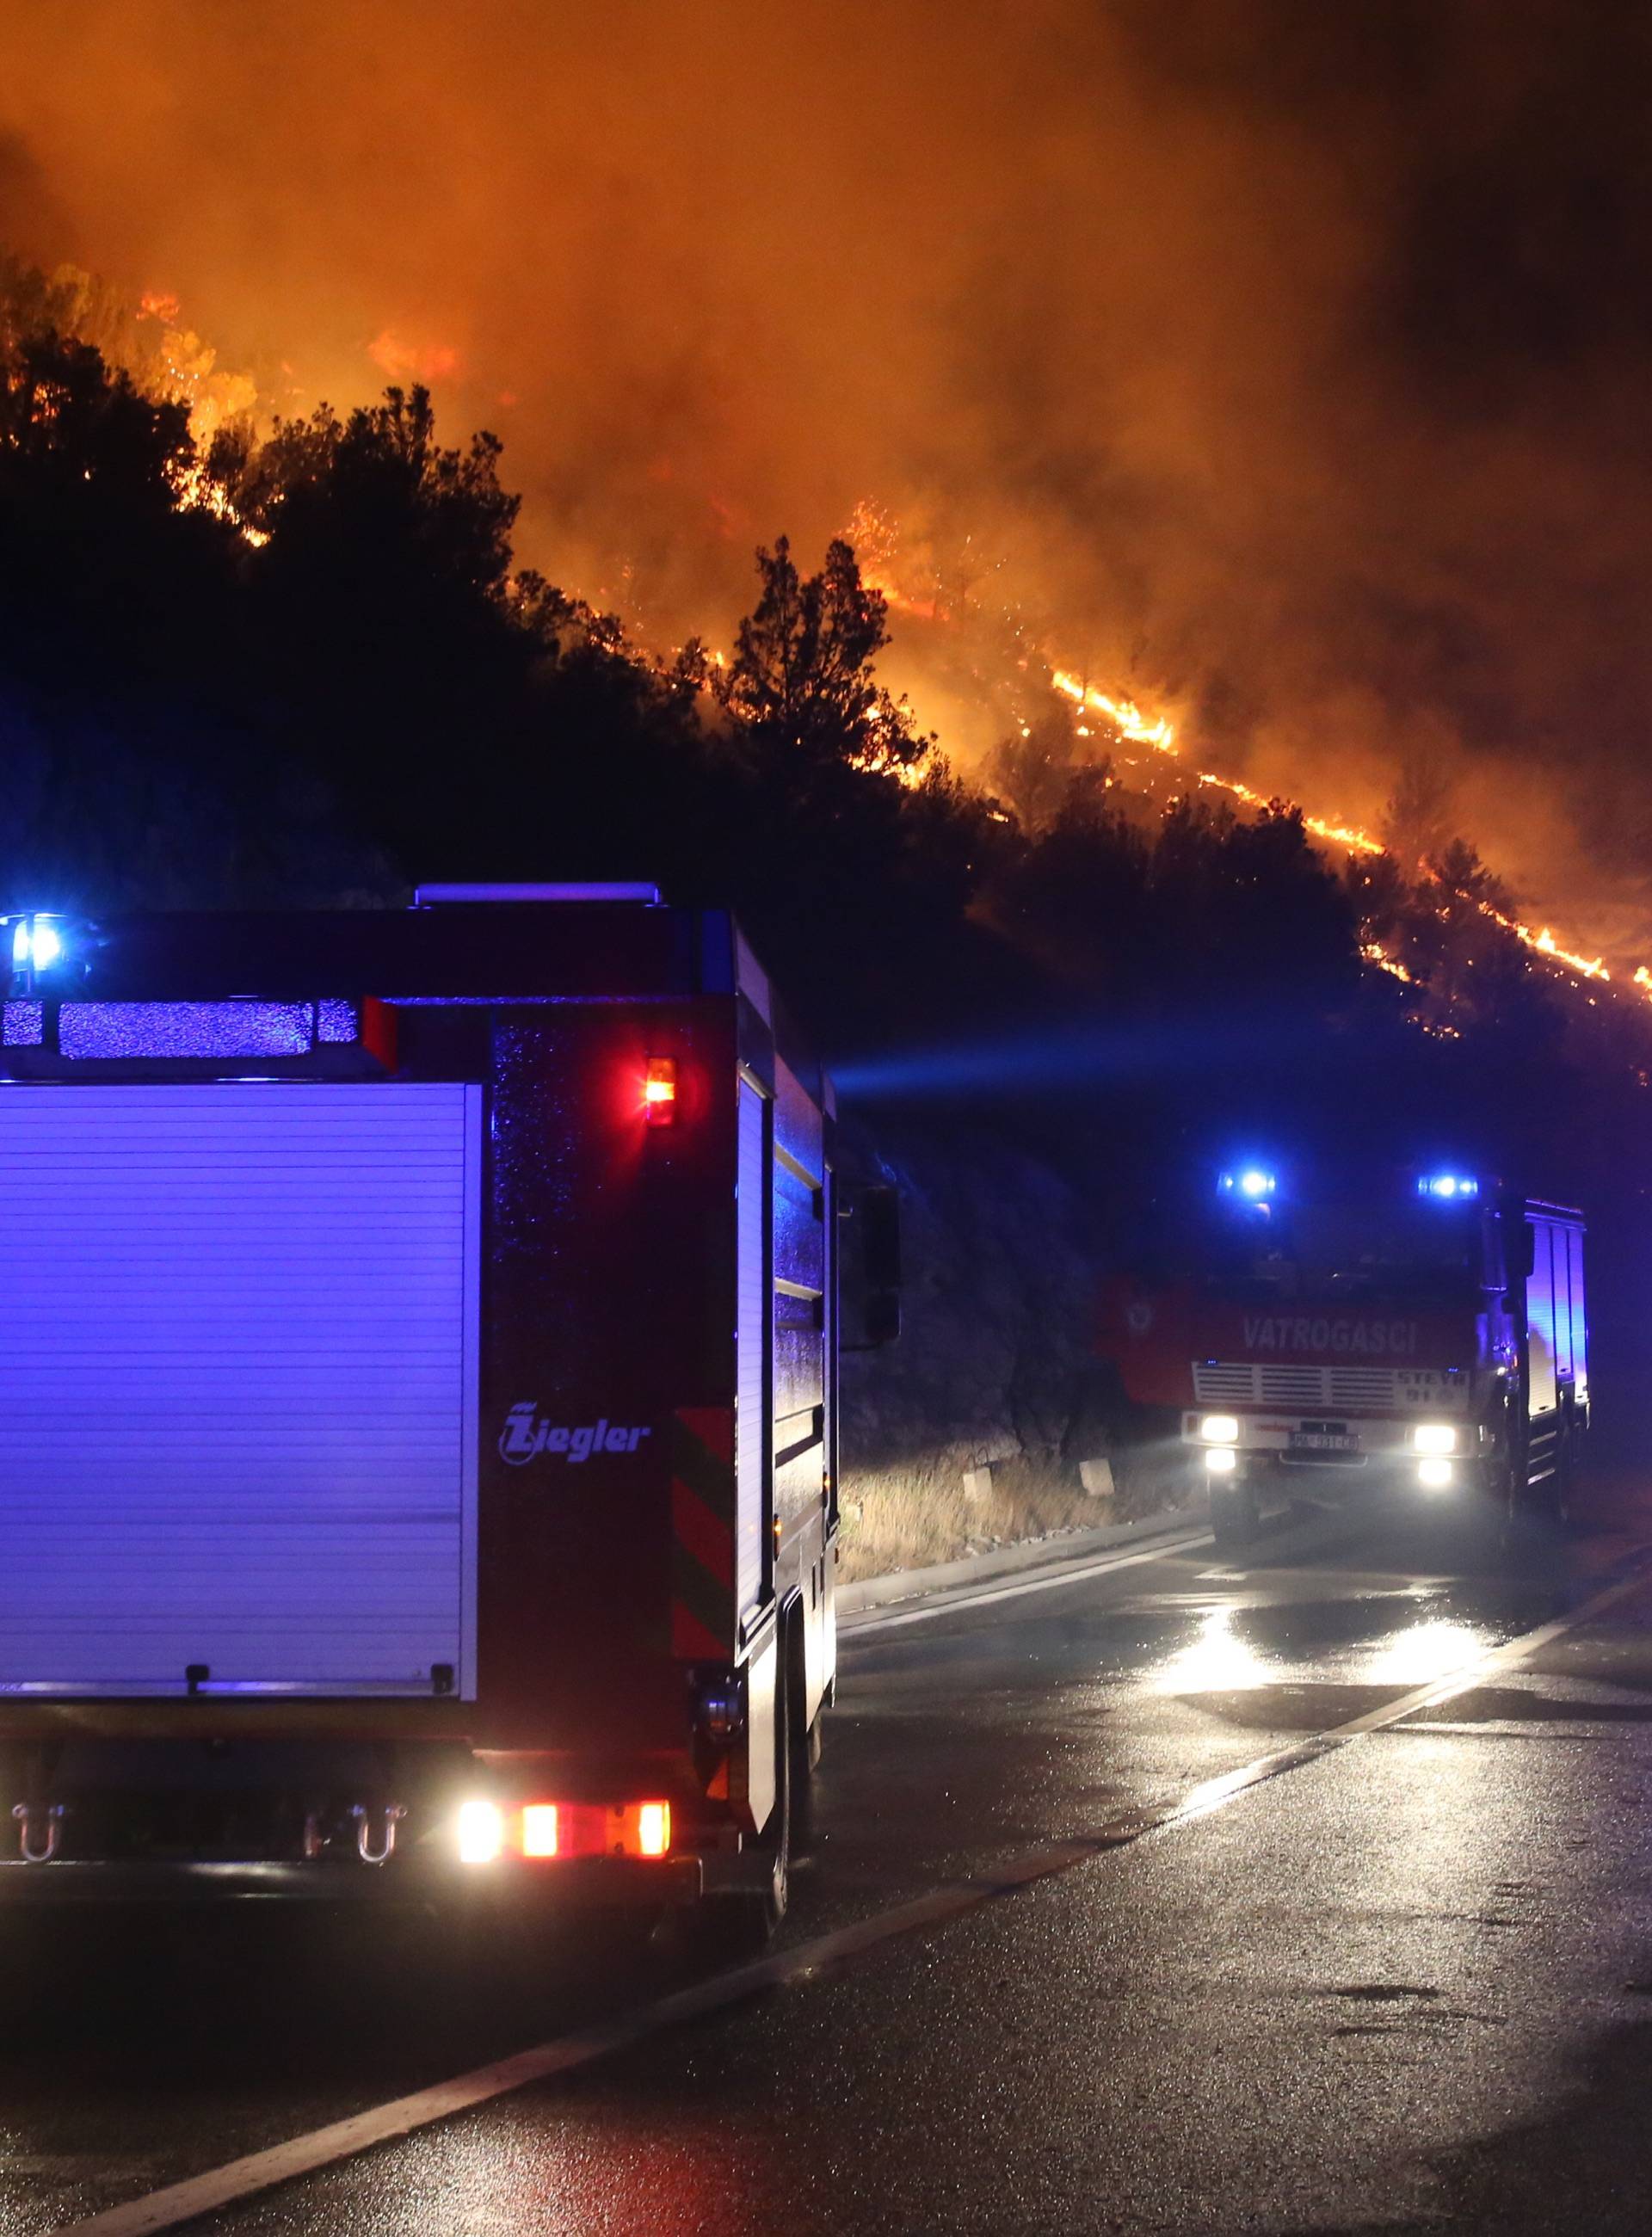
<point>237,1386</point>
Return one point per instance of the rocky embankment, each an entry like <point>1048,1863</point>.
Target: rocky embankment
<point>971,1430</point>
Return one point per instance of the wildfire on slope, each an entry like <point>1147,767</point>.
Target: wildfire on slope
<point>1129,721</point>
<point>915,582</point>
<point>1125,715</point>
<point>184,369</point>
<point>1375,953</point>
<point>1545,943</point>
<point>176,363</point>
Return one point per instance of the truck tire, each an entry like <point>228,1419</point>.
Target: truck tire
<point>738,1925</point>
<point>804,1738</point>
<point>1499,1505</point>
<point>768,1903</point>
<point>1235,1516</point>
<point>1562,1502</point>
<point>1528,1517</point>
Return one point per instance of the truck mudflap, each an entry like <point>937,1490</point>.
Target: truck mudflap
<point>575,1883</point>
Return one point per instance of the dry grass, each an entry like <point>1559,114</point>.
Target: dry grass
<point>909,1517</point>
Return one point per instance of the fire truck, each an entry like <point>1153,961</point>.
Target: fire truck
<point>418,1439</point>
<point>1319,1337</point>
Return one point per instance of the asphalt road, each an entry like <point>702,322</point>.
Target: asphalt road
<point>1109,1922</point>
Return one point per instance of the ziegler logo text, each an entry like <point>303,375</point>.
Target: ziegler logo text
<point>525,1435</point>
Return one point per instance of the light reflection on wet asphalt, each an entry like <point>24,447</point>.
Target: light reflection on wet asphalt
<point>1344,1600</point>
<point>1037,1719</point>
<point>957,1744</point>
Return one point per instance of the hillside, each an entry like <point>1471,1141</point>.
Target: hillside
<point>300,665</point>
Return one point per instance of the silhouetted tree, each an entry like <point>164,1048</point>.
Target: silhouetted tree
<point>1416,820</point>
<point>801,674</point>
<point>1030,770</point>
<point>306,668</point>
<point>1456,869</point>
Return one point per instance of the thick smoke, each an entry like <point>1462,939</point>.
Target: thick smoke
<point>1284,365</point>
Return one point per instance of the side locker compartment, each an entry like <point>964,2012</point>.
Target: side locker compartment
<point>800,1310</point>
<point>828,1560</point>
<point>1580,1322</point>
<point>1540,1322</point>
<point>1548,1349</point>
<point>754,1475</point>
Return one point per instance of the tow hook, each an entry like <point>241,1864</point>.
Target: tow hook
<point>391,1814</point>
<point>36,1851</point>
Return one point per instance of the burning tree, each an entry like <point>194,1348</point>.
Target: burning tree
<point>802,677</point>
<point>1033,770</point>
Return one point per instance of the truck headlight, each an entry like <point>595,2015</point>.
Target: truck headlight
<point>1434,1476</point>
<point>1434,1437</point>
<point>1219,1429</point>
<point>1220,1460</point>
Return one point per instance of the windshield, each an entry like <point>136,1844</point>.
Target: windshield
<point>1342,1254</point>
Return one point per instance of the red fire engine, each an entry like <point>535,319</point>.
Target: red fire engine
<point>418,1446</point>
<point>1319,1341</point>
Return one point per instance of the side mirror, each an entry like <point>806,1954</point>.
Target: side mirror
<point>880,1217</point>
<point>869,1234</point>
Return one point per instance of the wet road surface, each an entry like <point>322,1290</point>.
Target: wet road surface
<point>1403,1981</point>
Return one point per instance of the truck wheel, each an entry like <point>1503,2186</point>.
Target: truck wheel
<point>1235,1514</point>
<point>1524,1518</point>
<point>737,1925</point>
<point>1562,1498</point>
<point>768,1903</point>
<point>1498,1502</point>
<point>805,1739</point>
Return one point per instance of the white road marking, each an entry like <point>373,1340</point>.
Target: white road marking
<point>242,2179</point>
<point>959,1598</point>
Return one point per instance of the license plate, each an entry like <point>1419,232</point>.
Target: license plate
<point>1321,1441</point>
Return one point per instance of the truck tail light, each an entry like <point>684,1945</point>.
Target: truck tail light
<point>544,1831</point>
<point>659,1091</point>
<point>540,1829</point>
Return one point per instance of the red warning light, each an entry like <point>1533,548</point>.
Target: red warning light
<point>659,1091</point>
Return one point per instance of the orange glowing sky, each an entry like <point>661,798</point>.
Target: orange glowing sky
<point>1281,370</point>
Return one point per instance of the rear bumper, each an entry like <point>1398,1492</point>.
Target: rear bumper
<point>576,1883</point>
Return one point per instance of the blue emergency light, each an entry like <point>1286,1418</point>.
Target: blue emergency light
<point>1448,1188</point>
<point>36,941</point>
<point>1250,1183</point>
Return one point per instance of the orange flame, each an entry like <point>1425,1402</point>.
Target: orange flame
<point>1128,720</point>
<point>402,360</point>
<point>1374,952</point>
<point>1125,715</point>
